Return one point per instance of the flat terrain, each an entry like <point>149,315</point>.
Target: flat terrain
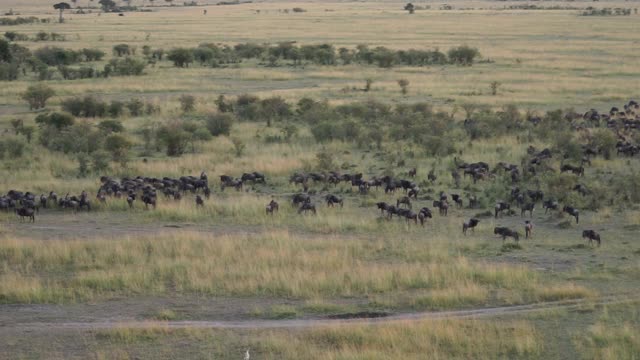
<point>211,282</point>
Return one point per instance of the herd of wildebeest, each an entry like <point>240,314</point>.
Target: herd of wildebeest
<point>146,189</point>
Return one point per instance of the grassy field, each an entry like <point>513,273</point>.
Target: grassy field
<point>231,261</point>
<point>543,59</point>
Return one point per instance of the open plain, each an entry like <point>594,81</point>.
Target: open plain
<point>299,180</point>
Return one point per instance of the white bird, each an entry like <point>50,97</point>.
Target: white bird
<point>247,356</point>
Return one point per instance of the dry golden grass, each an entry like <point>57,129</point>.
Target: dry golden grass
<point>273,264</point>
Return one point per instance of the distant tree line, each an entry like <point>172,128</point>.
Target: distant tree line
<point>214,55</point>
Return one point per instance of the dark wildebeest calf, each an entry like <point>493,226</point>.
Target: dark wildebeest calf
<point>506,232</point>
<point>333,199</point>
<point>573,212</point>
<point>591,235</point>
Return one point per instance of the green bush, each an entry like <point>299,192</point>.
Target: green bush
<point>220,124</point>
<point>463,55</point>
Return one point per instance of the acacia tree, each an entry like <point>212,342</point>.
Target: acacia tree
<point>61,7</point>
<point>410,8</point>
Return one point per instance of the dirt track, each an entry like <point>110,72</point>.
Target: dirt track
<point>96,324</point>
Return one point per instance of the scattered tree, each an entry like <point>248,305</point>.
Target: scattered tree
<point>410,8</point>
<point>37,95</point>
<point>61,7</point>
<point>404,86</point>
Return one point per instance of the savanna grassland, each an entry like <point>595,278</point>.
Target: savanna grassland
<point>180,280</point>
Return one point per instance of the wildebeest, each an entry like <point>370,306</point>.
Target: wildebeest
<point>527,207</point>
<point>272,207</point>
<point>410,215</point>
<point>506,232</point>
<point>382,206</point>
<point>578,170</point>
<point>550,204</point>
<point>300,199</point>
<point>306,207</point>
<point>254,177</point>
<point>591,235</point>
<point>424,214</point>
<point>500,207</point>
<point>413,193</point>
<point>443,207</point>
<point>471,224</point>
<point>333,199</point>
<point>413,172</point>
<point>573,212</point>
<point>26,213</point>
<point>199,201</point>
<point>457,199</point>
<point>131,199</point>
<point>535,195</point>
<point>149,199</point>
<point>404,201</point>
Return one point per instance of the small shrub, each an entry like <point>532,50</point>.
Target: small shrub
<point>238,146</point>
<point>220,124</point>
<point>187,103</point>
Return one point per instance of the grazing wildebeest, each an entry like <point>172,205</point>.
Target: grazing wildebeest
<point>424,214</point>
<point>471,224</point>
<point>550,204</point>
<point>26,213</point>
<point>254,177</point>
<point>578,170</point>
<point>591,235</point>
<point>333,199</point>
<point>306,207</point>
<point>102,198</point>
<point>413,172</point>
<point>527,207</point>
<point>573,212</point>
<point>528,229</point>
<point>500,207</point>
<point>413,193</point>
<point>199,201</point>
<point>506,232</point>
<point>443,207</point>
<point>382,206</point>
<point>404,201</point>
<point>43,201</point>
<point>300,199</point>
<point>272,207</point>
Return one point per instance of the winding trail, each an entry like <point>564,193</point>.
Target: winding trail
<point>106,324</point>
